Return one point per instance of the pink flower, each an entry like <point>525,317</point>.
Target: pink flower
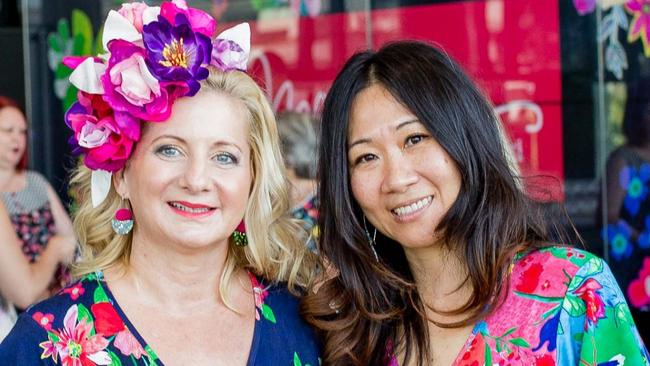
<point>640,27</point>
<point>259,293</point>
<point>93,135</point>
<point>200,21</point>
<point>595,306</point>
<point>107,137</point>
<point>74,291</point>
<point>130,87</point>
<point>76,347</point>
<point>584,6</point>
<point>128,344</point>
<point>49,350</point>
<point>639,289</point>
<point>133,13</point>
<point>44,320</point>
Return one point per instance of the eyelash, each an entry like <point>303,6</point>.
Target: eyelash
<point>363,158</point>
<point>422,137</point>
<point>233,159</point>
<point>165,149</point>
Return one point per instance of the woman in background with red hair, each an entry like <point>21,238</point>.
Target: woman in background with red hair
<point>41,230</point>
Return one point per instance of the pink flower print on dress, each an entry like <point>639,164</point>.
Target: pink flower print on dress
<point>74,291</point>
<point>595,306</point>
<point>639,289</point>
<point>109,323</point>
<point>76,347</point>
<point>44,320</point>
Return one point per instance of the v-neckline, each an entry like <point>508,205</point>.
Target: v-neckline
<point>101,281</point>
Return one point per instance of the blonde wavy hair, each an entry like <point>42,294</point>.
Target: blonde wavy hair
<point>276,247</point>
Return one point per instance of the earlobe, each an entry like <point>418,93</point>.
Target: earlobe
<point>119,183</point>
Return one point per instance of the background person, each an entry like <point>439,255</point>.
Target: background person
<point>442,258</point>
<point>299,149</point>
<point>628,206</point>
<point>22,282</point>
<point>35,210</point>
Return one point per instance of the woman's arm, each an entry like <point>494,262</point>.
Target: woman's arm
<point>21,282</point>
<point>61,218</point>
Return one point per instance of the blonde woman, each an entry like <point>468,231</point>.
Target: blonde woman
<point>201,264</point>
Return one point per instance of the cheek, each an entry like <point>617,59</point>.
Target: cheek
<point>363,189</point>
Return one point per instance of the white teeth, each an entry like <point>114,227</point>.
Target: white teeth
<point>188,209</point>
<point>409,209</point>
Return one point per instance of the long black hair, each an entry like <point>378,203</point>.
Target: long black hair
<point>371,307</point>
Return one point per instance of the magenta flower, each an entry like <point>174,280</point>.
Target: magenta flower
<point>640,27</point>
<point>176,53</point>
<point>130,87</point>
<point>106,137</point>
<point>199,20</point>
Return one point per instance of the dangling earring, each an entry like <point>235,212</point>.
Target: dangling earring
<point>239,235</point>
<point>371,240</point>
<point>122,223</point>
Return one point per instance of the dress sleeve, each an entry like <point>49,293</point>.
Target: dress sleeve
<point>25,344</point>
<point>596,326</point>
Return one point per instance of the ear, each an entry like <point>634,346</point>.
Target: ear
<point>120,184</point>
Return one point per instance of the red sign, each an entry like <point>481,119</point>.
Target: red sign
<point>511,48</point>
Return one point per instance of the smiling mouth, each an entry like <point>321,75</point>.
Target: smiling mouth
<point>413,207</point>
<point>190,209</point>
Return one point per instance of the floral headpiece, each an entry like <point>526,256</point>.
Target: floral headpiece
<point>154,55</point>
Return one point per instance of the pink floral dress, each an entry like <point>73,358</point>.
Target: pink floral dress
<point>84,326</point>
<point>562,307</point>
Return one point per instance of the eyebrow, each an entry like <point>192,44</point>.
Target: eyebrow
<point>397,128</point>
<point>181,140</point>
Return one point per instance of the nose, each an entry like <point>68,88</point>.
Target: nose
<point>195,177</point>
<point>399,174</point>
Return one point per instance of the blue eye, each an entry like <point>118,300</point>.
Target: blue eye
<point>226,158</point>
<point>168,151</point>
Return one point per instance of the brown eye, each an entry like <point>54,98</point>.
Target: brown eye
<point>365,159</point>
<point>415,139</point>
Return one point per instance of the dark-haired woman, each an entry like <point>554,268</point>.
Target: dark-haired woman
<point>443,259</point>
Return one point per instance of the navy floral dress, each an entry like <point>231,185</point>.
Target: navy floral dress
<point>84,326</point>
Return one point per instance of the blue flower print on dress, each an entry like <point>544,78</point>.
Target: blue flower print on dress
<point>618,236</point>
<point>635,183</point>
<point>644,237</point>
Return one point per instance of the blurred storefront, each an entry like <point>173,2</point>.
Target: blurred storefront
<point>558,71</point>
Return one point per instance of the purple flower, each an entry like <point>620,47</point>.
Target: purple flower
<point>227,55</point>
<point>176,52</point>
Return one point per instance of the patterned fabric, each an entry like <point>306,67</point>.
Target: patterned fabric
<point>562,307</point>
<point>31,216</point>
<point>308,213</point>
<point>84,326</point>
<point>629,238</point>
